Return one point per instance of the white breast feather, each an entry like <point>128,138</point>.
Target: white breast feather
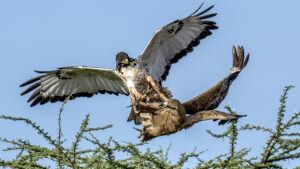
<point>131,76</point>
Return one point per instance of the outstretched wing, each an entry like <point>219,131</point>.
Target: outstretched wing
<point>58,84</point>
<point>211,98</point>
<point>174,41</point>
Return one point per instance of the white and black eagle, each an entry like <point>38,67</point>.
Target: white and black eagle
<point>166,46</point>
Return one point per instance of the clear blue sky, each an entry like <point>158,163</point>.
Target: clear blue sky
<point>44,35</point>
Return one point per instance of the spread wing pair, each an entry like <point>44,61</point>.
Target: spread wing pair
<point>166,46</point>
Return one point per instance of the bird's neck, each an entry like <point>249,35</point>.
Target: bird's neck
<point>131,64</point>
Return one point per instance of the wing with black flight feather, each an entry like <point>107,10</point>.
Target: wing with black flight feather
<point>174,41</point>
<point>79,81</point>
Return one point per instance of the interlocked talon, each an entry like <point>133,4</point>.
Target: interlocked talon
<point>154,86</point>
<point>139,130</point>
<point>157,87</point>
<point>133,105</point>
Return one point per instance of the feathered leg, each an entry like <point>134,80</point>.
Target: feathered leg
<point>211,98</point>
<point>162,92</point>
<point>134,113</point>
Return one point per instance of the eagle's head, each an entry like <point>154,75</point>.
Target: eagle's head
<point>122,60</point>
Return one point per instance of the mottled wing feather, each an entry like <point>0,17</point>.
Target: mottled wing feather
<point>211,98</point>
<point>58,84</point>
<point>174,41</point>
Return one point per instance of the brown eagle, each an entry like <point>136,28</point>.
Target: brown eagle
<point>175,116</point>
<point>166,47</point>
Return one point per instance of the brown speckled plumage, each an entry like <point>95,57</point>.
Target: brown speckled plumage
<point>174,116</point>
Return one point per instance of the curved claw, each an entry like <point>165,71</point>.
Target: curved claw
<point>134,104</point>
<point>139,130</point>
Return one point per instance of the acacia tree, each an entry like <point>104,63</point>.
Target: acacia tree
<point>282,144</point>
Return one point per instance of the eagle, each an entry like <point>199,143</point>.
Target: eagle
<point>167,46</point>
<point>175,115</point>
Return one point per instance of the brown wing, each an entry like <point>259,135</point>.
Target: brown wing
<point>210,115</point>
<point>211,98</point>
<point>58,84</point>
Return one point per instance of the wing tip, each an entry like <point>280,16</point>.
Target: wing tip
<point>208,16</point>
<point>197,9</point>
<point>30,88</point>
<point>31,81</point>
<point>204,11</point>
<point>40,71</point>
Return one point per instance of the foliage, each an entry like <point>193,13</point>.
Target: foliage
<point>281,145</point>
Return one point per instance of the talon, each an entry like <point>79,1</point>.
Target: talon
<point>135,104</point>
<point>142,131</point>
<point>132,105</point>
<point>129,106</point>
<point>137,129</point>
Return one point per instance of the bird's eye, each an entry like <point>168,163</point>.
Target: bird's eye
<point>125,61</point>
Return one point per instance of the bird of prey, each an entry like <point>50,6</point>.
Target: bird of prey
<point>166,47</point>
<point>175,116</point>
